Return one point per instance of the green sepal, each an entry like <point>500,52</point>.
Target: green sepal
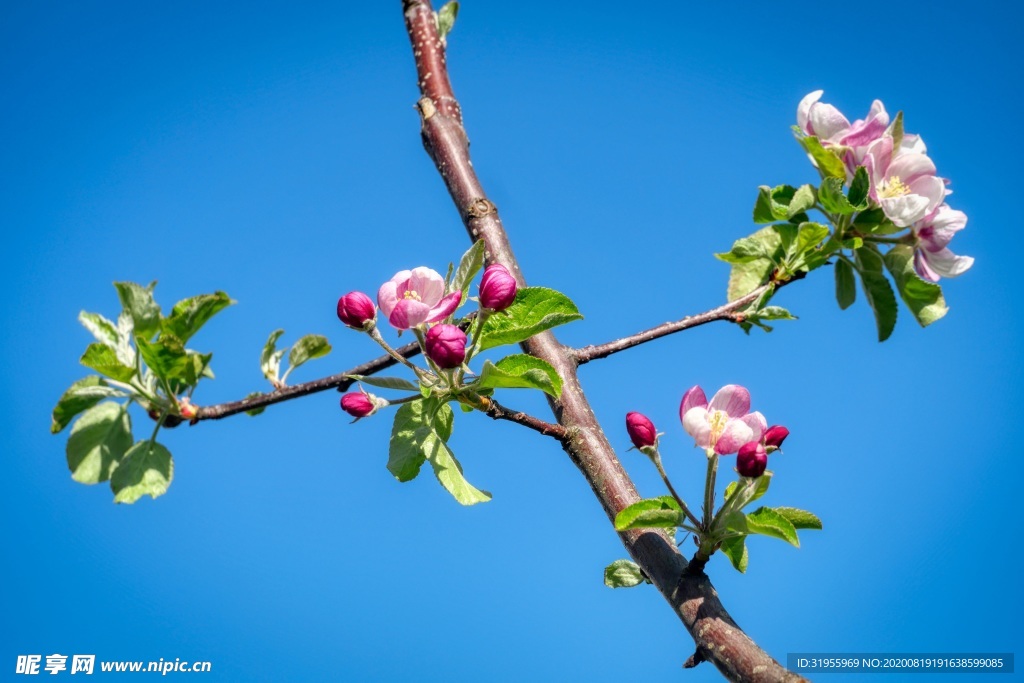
<point>146,469</point>
<point>521,371</point>
<point>661,512</point>
<point>624,574</point>
<point>98,441</point>
<point>923,298</point>
<point>534,310</point>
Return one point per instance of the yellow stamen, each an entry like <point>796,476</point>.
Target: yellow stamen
<point>411,294</point>
<point>892,187</point>
<point>717,419</point>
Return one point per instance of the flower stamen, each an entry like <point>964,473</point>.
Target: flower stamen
<point>892,187</point>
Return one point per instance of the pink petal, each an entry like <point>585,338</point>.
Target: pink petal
<point>387,295</point>
<point>803,110</point>
<point>735,434</point>
<point>428,284</point>
<point>693,397</point>
<point>939,229</point>
<point>905,209</point>
<point>826,121</point>
<point>408,313</point>
<point>758,425</point>
<point>695,422</point>
<point>444,308</point>
<point>910,166</point>
<point>946,263</point>
<point>733,399</point>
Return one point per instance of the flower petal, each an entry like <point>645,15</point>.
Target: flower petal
<point>803,110</point>
<point>693,397</point>
<point>428,283</point>
<point>827,122</point>
<point>758,425</point>
<point>735,434</point>
<point>444,308</point>
<point>695,422</point>
<point>408,313</point>
<point>905,209</point>
<point>945,263</point>
<point>733,399</point>
<point>388,296</point>
<point>910,166</point>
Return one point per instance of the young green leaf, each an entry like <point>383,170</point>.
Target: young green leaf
<point>146,469</point>
<point>104,330</point>
<point>138,302</point>
<point>803,199</point>
<point>80,396</point>
<point>744,250</point>
<point>800,519</point>
<point>396,383</point>
<point>832,198</point>
<point>189,315</point>
<point>846,287</point>
<point>877,290</point>
<point>860,186</point>
<point>750,274</point>
<point>445,18</point>
<point>270,358</point>
<point>470,264</point>
<point>624,574</point>
<point>773,203</point>
<point>255,411</point>
<point>405,450</point>
<point>103,359</point>
<point>98,442</point>
<point>768,522</point>
<point>923,298</point>
<point>735,548</point>
<point>449,472</point>
<point>520,371</point>
<point>534,310</point>
<point>662,512</point>
<point>166,358</point>
<point>826,160</point>
<point>307,348</point>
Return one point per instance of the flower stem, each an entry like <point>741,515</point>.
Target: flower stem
<point>375,335</point>
<point>709,489</point>
<point>656,458</point>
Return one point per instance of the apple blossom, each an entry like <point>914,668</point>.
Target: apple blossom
<point>355,309</point>
<point>903,183</point>
<point>723,425</point>
<point>834,130</point>
<point>641,430</point>
<point>774,436</point>
<point>932,257</point>
<point>497,288</point>
<point>414,297</point>
<point>446,346</point>
<point>751,460</point>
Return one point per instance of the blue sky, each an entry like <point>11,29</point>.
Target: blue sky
<point>272,151</point>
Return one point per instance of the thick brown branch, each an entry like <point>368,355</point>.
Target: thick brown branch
<point>690,594</point>
<point>725,312</point>
<point>341,382</point>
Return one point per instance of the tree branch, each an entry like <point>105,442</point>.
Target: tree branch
<point>500,412</point>
<point>341,382</point>
<point>690,594</point>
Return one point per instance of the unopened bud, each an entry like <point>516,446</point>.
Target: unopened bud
<point>446,346</point>
<point>186,409</point>
<point>497,288</point>
<point>356,309</point>
<point>641,430</point>
<point>751,460</point>
<point>358,404</point>
<point>774,437</point>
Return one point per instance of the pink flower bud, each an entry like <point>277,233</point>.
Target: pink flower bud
<point>187,410</point>
<point>446,346</point>
<point>357,404</point>
<point>355,309</point>
<point>641,430</point>
<point>751,460</point>
<point>497,288</point>
<point>775,436</point>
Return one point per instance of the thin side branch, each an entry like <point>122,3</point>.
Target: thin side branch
<point>725,312</point>
<point>690,594</point>
<point>341,382</point>
<point>500,412</point>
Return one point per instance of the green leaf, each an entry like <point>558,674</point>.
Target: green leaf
<point>846,286</point>
<point>782,202</point>
<point>534,310</point>
<point>138,302</point>
<point>270,359</point>
<point>826,160</point>
<point>800,519</point>
<point>662,512</point>
<point>98,442</point>
<point>520,371</point>
<point>859,188</point>
<point>735,548</point>
<point>405,450</point>
<point>446,18</point>
<point>752,492</point>
<point>443,421</point>
<point>103,359</point>
<point>104,330</point>
<point>307,348</point>
<point>470,264</point>
<point>895,130</point>
<point>255,411</point>
<point>146,469</point>
<point>774,313</point>
<point>624,574</point>
<point>189,315</point>
<point>923,298</point>
<point>768,522</point>
<point>166,358</point>
<point>808,239</point>
<point>396,383</point>
<point>803,199</point>
<point>749,275</point>
<point>877,290</point>
<point>744,250</point>
<point>80,396</point>
<point>832,197</point>
<point>448,470</point>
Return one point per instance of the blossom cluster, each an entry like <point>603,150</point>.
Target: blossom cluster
<point>903,179</point>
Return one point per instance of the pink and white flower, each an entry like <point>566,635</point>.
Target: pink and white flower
<point>414,297</point>
<point>834,130</point>
<point>903,183</point>
<point>932,257</point>
<point>726,423</point>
